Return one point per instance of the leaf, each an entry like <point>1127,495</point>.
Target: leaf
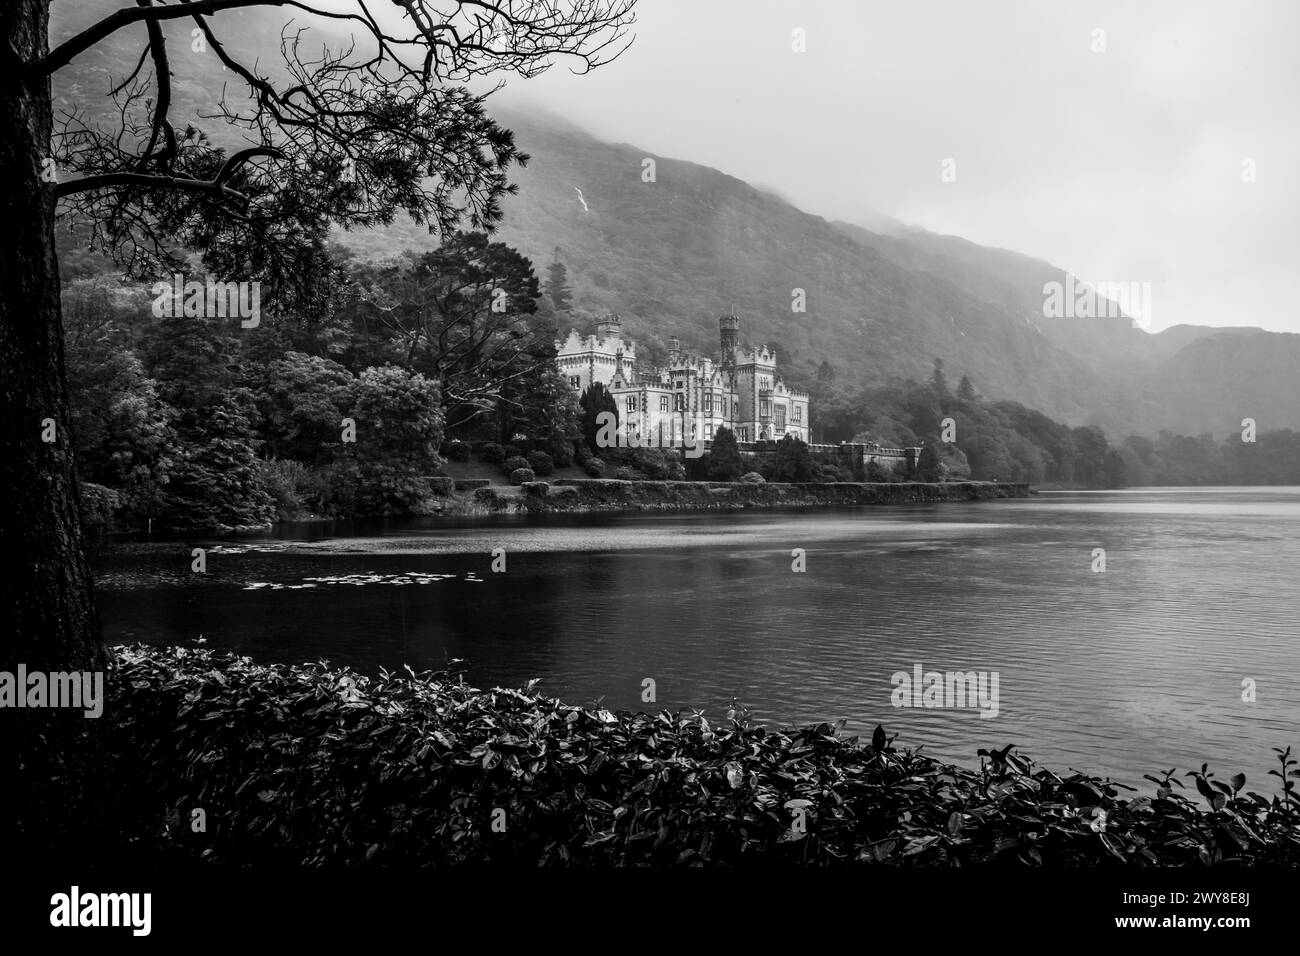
<point>735,775</point>
<point>1112,844</point>
<point>878,739</point>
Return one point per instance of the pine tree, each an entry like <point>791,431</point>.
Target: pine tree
<point>965,390</point>
<point>595,399</point>
<point>938,381</point>
<point>557,284</point>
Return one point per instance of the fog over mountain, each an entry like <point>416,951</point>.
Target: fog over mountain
<point>1079,159</point>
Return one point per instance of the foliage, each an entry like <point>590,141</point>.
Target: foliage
<point>724,456</point>
<point>492,454</point>
<point>595,400</point>
<point>928,467</point>
<point>216,483</point>
<point>303,399</point>
<point>458,451</point>
<point>752,478</point>
<point>99,507</point>
<point>313,766</point>
<point>541,463</point>
<point>398,431</point>
<point>793,462</point>
<point>594,467</point>
<point>514,463</point>
<point>520,475</point>
<point>288,483</point>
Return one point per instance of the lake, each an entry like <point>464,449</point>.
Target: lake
<point>1125,671</point>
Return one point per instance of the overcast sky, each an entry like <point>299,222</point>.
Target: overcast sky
<point>1122,165</point>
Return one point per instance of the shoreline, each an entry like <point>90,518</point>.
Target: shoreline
<point>612,495</point>
<point>478,497</point>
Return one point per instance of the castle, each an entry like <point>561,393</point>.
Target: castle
<point>692,396</point>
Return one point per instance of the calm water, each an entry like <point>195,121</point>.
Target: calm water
<point>1122,672</point>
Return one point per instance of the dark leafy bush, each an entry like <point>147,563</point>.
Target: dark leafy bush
<point>99,505</point>
<point>624,473</point>
<point>458,451</point>
<point>594,467</point>
<point>752,478</point>
<point>541,463</point>
<point>520,475</point>
<point>650,462</point>
<point>312,766</point>
<point>514,463</point>
<point>287,482</point>
<point>561,451</point>
<point>492,454</point>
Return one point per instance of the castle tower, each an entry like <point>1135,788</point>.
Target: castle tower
<point>610,326</point>
<point>728,335</point>
<point>674,351</point>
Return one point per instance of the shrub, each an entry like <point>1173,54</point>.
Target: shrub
<point>561,451</point>
<point>514,463</point>
<point>878,472</point>
<point>650,462</point>
<point>594,467</point>
<point>99,504</point>
<point>492,454</point>
<point>624,473</point>
<point>512,451</point>
<point>287,483</point>
<point>753,478</point>
<point>541,463</point>
<point>458,451</point>
<point>520,475</point>
<point>724,459</point>
<point>314,767</point>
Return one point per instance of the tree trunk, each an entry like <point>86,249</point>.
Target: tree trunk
<point>53,755</point>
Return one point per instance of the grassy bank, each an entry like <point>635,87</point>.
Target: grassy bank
<point>312,766</point>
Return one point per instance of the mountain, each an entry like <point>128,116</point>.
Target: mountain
<point>884,299</point>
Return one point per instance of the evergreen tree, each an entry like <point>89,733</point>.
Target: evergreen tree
<point>557,284</point>
<point>595,399</point>
<point>938,381</point>
<point>965,390</point>
<point>724,458</point>
<point>793,461</point>
<point>928,467</point>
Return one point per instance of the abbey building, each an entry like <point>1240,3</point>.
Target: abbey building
<point>691,396</point>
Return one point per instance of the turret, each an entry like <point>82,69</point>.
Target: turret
<point>728,335</point>
<point>610,326</point>
<point>674,352</point>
